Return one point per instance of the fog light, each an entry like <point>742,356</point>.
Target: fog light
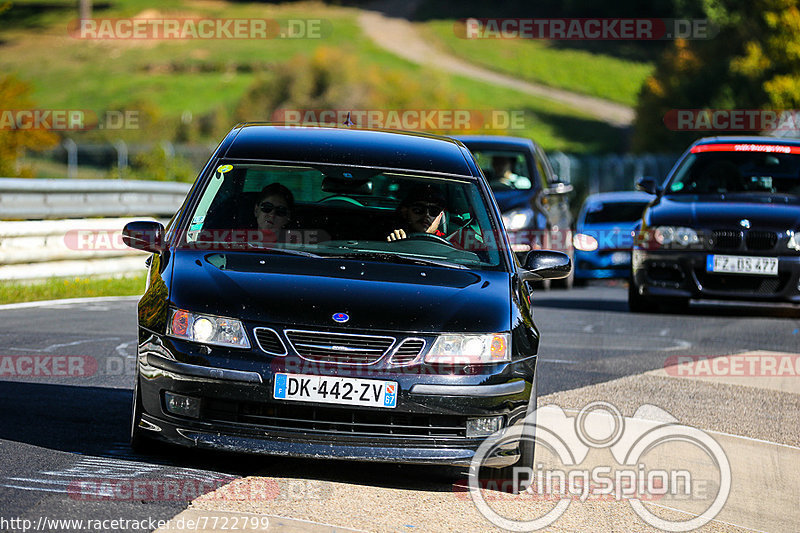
<point>483,427</point>
<point>182,405</point>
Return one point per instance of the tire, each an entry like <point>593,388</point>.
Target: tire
<point>506,473</point>
<point>140,442</point>
<point>638,303</point>
<point>527,449</point>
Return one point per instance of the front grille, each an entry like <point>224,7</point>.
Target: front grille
<point>761,240</point>
<point>737,283</point>
<point>269,341</point>
<point>344,348</point>
<point>665,273</point>
<point>408,351</point>
<point>341,420</point>
<point>726,239</point>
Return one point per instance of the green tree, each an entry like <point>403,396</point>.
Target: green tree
<point>13,140</point>
<point>752,63</point>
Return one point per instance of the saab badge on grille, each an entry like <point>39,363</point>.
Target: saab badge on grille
<point>744,223</point>
<point>341,317</point>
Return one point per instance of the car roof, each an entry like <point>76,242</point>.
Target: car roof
<point>618,196</point>
<point>346,146</point>
<point>495,141</point>
<point>750,139</point>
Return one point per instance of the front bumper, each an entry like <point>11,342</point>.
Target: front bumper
<point>682,274</point>
<point>238,412</point>
<point>602,264</point>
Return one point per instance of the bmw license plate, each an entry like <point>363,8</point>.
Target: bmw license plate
<point>741,264</point>
<point>328,389</point>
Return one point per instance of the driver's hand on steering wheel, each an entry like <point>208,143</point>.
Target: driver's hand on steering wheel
<point>400,234</point>
<point>396,235</point>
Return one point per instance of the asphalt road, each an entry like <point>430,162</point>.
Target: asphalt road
<point>62,438</point>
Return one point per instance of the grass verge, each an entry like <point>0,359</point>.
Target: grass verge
<point>167,81</point>
<point>60,288</point>
<point>579,71</point>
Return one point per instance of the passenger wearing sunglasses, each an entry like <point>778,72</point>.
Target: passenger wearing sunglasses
<point>422,211</point>
<point>273,210</point>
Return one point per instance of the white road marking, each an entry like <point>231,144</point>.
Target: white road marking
<point>68,302</point>
<point>122,351</point>
<point>713,519</point>
<point>62,345</point>
<point>97,468</point>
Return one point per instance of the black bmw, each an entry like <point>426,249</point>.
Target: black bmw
<point>725,226</point>
<point>282,317</point>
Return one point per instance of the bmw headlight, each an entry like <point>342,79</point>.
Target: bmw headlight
<point>584,243</point>
<point>517,219</point>
<point>666,235</point>
<point>455,349</point>
<point>794,240</point>
<point>207,329</point>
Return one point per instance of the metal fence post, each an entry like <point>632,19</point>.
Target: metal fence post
<point>72,157</point>
<point>122,156</point>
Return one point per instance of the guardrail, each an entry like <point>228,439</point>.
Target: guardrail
<point>26,199</point>
<point>61,244</point>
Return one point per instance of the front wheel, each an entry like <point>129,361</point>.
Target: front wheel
<point>527,448</point>
<point>505,475</point>
<point>140,443</point>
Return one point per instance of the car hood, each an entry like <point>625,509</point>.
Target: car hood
<point>278,289</point>
<point>513,199</point>
<point>712,212</point>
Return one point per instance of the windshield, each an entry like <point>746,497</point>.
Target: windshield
<point>506,170</point>
<point>737,172</point>
<point>610,212</point>
<point>329,211</point>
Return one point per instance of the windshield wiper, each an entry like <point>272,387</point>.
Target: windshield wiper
<point>400,258</point>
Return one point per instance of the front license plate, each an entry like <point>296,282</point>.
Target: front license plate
<point>619,258</point>
<point>742,264</point>
<point>343,391</point>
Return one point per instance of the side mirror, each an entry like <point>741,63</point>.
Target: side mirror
<point>547,264</point>
<point>144,235</point>
<point>647,184</point>
<point>558,187</point>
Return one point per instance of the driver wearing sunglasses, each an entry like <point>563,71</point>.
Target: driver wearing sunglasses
<point>422,211</point>
<point>273,209</point>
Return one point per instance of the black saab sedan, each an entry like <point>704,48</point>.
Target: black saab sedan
<point>337,293</point>
<point>725,226</point>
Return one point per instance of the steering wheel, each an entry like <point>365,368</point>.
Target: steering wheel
<point>340,198</point>
<point>429,237</point>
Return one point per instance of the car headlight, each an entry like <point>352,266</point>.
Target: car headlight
<point>517,219</point>
<point>665,235</point>
<point>455,349</point>
<point>794,240</point>
<point>584,243</point>
<point>207,329</point>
